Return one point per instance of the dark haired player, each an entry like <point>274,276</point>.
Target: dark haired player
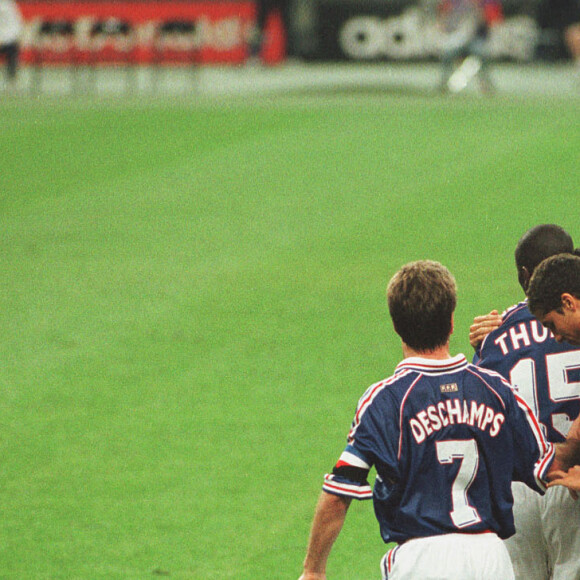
<point>547,375</point>
<point>446,439</point>
<point>554,296</point>
<point>555,300</point>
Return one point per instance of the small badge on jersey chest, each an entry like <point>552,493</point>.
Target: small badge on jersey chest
<point>449,388</point>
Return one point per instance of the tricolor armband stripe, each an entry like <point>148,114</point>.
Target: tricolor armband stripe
<point>351,467</point>
<point>348,458</point>
<point>351,473</point>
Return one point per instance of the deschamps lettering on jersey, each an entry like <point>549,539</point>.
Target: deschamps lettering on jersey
<point>452,412</point>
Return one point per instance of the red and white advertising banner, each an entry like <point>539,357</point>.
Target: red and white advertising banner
<point>143,32</point>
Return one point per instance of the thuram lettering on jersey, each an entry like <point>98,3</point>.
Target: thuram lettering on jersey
<point>522,335</point>
<point>454,412</point>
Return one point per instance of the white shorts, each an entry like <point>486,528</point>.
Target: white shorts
<point>449,557</point>
<point>547,540</point>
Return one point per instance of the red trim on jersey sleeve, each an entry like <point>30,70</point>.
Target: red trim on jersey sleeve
<point>344,489</point>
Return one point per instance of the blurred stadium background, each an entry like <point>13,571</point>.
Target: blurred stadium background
<point>194,257</point>
<point>196,48</point>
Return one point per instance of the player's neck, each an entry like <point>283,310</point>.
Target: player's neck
<point>440,353</point>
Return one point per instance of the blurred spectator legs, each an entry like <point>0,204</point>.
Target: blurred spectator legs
<point>461,64</point>
<point>10,52</point>
<point>265,9</point>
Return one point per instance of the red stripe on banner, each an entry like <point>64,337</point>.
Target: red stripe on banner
<point>219,32</point>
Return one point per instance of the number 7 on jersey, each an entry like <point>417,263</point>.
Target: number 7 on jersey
<point>463,514</point>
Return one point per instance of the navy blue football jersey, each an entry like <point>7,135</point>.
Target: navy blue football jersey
<point>446,439</point>
<point>546,373</point>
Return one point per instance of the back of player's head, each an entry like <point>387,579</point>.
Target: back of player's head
<point>541,242</point>
<point>553,277</point>
<point>422,296</point>
<point>537,244</point>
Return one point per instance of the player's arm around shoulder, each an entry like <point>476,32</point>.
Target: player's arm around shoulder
<point>567,456</point>
<point>565,469</point>
<point>569,479</point>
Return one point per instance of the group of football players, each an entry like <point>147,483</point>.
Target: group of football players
<point>477,464</point>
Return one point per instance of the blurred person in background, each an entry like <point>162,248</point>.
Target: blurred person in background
<point>264,10</point>
<point>563,18</point>
<point>465,25</point>
<point>10,31</point>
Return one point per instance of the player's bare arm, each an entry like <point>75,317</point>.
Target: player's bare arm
<point>482,326</point>
<point>574,431</point>
<point>567,456</point>
<point>328,521</point>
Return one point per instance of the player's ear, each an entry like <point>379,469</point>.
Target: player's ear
<point>524,276</point>
<point>569,302</point>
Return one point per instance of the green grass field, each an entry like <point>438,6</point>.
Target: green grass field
<point>192,301</point>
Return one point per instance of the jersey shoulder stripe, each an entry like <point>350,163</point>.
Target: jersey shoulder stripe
<point>366,400</point>
<point>478,372</point>
<point>534,423</point>
<point>401,412</point>
<point>513,310</point>
<point>491,373</point>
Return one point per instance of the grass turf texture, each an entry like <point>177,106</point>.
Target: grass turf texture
<point>192,301</point>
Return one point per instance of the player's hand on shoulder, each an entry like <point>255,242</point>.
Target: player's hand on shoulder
<point>482,326</point>
<point>569,479</point>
